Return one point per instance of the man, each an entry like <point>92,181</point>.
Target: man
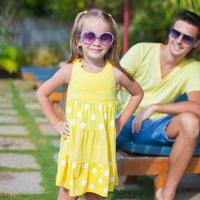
<point>165,72</point>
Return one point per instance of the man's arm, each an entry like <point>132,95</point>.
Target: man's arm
<point>192,105</point>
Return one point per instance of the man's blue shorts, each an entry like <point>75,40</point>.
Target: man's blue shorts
<point>151,132</point>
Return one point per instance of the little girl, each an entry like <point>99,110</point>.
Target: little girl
<point>87,160</point>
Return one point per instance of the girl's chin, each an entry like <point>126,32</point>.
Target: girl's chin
<point>96,56</point>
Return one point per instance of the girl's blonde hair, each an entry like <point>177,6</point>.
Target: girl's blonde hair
<point>76,52</point>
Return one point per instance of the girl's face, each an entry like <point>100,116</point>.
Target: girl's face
<point>93,47</point>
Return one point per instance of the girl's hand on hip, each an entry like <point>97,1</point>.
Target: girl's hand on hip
<point>118,125</point>
<point>63,128</point>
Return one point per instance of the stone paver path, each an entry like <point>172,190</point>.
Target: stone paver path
<point>15,143</point>
<point>26,88</point>
<point>18,161</point>
<point>3,100</point>
<point>33,106</point>
<point>20,172</point>
<point>12,130</point>
<point>20,183</point>
<point>48,130</point>
<point>9,112</point>
<point>5,106</point>
<point>41,120</point>
<point>9,119</point>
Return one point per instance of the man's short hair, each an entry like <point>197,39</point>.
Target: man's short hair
<point>190,17</point>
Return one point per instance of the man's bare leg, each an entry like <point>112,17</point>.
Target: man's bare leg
<point>185,129</point>
<point>63,194</point>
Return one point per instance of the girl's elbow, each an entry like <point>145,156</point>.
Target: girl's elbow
<point>141,94</point>
<point>39,94</point>
<point>138,94</point>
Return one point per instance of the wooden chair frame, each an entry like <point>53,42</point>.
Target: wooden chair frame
<point>134,165</point>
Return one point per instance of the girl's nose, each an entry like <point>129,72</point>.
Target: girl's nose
<point>97,41</point>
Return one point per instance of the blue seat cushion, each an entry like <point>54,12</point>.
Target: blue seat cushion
<point>150,149</point>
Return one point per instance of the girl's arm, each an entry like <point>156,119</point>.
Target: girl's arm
<point>46,89</point>
<point>136,93</point>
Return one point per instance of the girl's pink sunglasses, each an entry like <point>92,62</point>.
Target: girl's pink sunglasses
<point>90,37</point>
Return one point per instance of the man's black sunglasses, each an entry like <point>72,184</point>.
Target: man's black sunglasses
<point>186,38</point>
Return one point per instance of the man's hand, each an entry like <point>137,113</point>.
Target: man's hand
<point>141,116</point>
<point>63,128</point>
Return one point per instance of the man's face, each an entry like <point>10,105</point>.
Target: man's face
<point>182,38</point>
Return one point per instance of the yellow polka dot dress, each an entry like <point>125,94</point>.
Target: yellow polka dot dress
<point>87,159</point>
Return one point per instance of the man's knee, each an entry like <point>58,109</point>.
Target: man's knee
<point>189,124</point>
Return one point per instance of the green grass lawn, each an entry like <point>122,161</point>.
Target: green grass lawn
<point>44,155</point>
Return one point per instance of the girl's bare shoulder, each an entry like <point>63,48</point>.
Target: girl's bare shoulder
<point>66,67</point>
<point>122,75</point>
<point>64,73</point>
<point>117,72</point>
